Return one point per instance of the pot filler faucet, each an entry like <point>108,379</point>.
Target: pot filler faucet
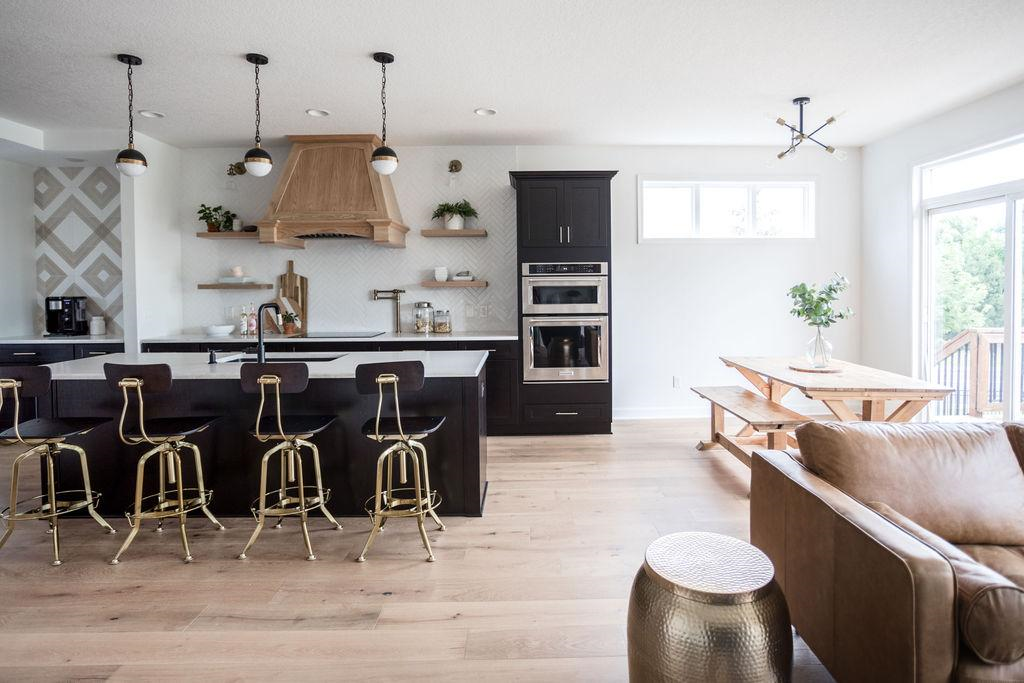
<point>261,349</point>
<point>392,295</point>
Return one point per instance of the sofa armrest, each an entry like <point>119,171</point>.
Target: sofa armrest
<point>872,601</point>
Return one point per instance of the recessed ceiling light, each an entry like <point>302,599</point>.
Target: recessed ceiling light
<point>150,114</point>
<point>484,111</point>
<point>318,113</point>
<point>74,160</point>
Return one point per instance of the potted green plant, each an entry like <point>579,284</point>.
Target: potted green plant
<point>289,323</point>
<point>455,215</point>
<point>217,218</point>
<point>814,306</point>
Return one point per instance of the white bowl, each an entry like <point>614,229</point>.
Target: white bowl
<point>218,330</point>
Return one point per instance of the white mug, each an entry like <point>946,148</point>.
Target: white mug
<point>237,271</point>
<point>441,274</point>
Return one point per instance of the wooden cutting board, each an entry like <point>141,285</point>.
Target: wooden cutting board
<point>292,297</point>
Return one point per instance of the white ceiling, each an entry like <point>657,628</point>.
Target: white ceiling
<point>557,71</point>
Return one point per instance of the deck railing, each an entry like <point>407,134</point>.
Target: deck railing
<point>972,363</point>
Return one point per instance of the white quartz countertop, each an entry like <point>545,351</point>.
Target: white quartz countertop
<point>200,338</point>
<point>45,339</point>
<point>196,365</point>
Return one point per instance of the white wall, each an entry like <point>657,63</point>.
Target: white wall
<point>17,258</point>
<point>151,244</point>
<point>342,272</point>
<point>890,287</point>
<point>678,307</point>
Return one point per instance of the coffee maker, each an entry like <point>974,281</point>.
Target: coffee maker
<point>66,315</point>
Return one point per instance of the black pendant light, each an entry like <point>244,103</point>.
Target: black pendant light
<point>384,159</point>
<point>130,161</point>
<point>257,160</point>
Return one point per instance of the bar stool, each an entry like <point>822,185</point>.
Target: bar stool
<point>47,438</point>
<point>167,437</point>
<point>293,433</point>
<point>405,437</point>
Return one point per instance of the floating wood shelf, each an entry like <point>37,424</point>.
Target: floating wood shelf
<point>228,235</point>
<point>235,285</point>
<point>443,232</point>
<point>432,284</point>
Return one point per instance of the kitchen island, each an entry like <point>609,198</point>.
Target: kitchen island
<point>454,387</point>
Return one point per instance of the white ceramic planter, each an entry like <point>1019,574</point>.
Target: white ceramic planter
<point>454,222</point>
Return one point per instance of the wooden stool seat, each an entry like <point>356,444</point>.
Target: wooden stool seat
<point>414,427</point>
<point>51,430</point>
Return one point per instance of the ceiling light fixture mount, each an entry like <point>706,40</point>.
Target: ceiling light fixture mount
<point>151,114</point>
<point>318,113</point>
<point>384,159</point>
<point>485,111</point>
<point>130,161</point>
<point>257,161</point>
<point>797,135</point>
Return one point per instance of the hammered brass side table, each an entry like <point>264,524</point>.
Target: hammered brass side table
<point>706,607</point>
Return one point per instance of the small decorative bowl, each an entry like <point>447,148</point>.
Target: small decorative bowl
<point>218,330</point>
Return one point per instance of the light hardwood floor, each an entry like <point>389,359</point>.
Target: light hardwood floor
<point>536,589</point>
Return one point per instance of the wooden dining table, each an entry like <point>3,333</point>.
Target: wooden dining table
<point>774,377</point>
<point>767,422</point>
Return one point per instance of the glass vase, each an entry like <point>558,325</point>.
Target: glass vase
<point>819,350</point>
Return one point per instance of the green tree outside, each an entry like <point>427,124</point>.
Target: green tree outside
<point>970,274</point>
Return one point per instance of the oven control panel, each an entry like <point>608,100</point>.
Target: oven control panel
<point>565,269</point>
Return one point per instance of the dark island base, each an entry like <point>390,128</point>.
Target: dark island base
<point>457,452</point>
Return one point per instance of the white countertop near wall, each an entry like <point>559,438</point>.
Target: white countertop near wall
<point>46,339</point>
<point>200,338</point>
<point>196,365</point>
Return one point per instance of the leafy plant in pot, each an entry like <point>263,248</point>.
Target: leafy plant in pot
<point>289,323</point>
<point>217,218</point>
<point>455,215</point>
<point>814,306</point>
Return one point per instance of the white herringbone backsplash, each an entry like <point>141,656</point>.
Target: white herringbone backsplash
<point>342,272</point>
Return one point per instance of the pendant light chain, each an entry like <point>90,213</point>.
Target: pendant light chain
<point>383,103</point>
<point>131,116</point>
<point>257,105</point>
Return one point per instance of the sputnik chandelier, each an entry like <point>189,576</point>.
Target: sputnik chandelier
<point>797,135</point>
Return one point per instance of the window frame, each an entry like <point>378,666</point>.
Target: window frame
<point>752,184</point>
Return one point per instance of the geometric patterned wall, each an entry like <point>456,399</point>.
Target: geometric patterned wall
<point>78,239</point>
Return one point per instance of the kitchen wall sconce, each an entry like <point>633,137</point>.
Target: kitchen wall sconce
<point>797,134</point>
<point>454,166</point>
<point>257,161</point>
<point>130,161</point>
<point>384,159</point>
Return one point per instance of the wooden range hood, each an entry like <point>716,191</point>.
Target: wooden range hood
<point>329,189</point>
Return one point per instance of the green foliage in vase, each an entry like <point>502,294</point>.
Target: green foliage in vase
<point>463,208</point>
<point>814,306</point>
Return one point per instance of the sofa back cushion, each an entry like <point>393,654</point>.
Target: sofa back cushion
<point>961,481</point>
<point>990,607</point>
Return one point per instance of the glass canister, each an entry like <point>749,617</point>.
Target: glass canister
<point>423,317</point>
<point>443,322</point>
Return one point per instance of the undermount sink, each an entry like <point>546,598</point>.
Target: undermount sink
<point>290,359</point>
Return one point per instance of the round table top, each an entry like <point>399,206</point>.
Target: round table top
<point>709,567</point>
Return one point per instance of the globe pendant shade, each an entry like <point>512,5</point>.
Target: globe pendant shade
<point>131,162</point>
<point>258,162</point>
<point>384,160</point>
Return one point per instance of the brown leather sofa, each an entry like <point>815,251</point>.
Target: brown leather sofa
<point>873,600</point>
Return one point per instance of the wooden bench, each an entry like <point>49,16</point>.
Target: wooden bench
<point>772,419</point>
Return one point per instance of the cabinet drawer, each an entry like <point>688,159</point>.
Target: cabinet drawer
<point>499,350</point>
<point>572,412</point>
<point>36,354</point>
<point>91,350</point>
<point>419,346</point>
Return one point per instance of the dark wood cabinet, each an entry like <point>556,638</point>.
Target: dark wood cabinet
<point>92,350</point>
<point>563,209</point>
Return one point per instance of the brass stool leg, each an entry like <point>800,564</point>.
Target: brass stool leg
<point>182,515</point>
<point>283,493</point>
<point>165,464</point>
<point>378,495</point>
<point>199,482</point>
<point>319,482</point>
<point>51,496</point>
<point>262,518</point>
<point>419,504</point>
<point>15,468</point>
<point>426,482</point>
<point>136,519</point>
<point>302,503</point>
<point>91,507</point>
